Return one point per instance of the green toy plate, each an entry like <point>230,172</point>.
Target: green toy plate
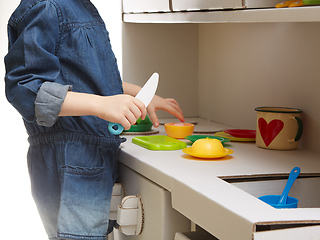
<point>194,138</point>
<point>159,142</point>
<point>141,125</point>
<point>311,2</point>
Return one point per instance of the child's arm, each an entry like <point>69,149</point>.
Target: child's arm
<point>123,108</point>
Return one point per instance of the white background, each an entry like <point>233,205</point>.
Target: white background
<point>19,215</point>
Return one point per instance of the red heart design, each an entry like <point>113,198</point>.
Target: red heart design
<point>270,130</point>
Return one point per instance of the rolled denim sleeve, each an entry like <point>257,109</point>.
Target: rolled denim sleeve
<point>32,60</point>
<point>49,101</point>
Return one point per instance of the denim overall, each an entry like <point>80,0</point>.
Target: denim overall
<point>55,46</point>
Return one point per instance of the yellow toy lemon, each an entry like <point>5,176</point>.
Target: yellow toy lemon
<point>207,148</point>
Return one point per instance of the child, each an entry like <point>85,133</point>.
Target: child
<point>62,76</point>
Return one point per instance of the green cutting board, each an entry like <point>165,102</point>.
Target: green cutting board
<point>159,142</point>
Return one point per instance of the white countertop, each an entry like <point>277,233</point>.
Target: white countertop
<point>199,193</point>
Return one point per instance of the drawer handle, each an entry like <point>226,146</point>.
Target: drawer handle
<point>130,215</point>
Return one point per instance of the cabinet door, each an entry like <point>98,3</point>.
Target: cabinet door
<point>305,233</point>
<point>140,6</point>
<point>161,221</point>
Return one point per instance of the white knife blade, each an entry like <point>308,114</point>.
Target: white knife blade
<point>148,91</point>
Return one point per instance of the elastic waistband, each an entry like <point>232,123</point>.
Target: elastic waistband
<point>89,139</point>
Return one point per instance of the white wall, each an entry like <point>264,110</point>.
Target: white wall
<point>244,66</point>
<point>17,208</point>
<point>172,51</point>
<point>110,11</point>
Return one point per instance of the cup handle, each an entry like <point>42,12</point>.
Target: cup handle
<point>300,129</point>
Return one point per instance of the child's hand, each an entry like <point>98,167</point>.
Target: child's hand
<point>123,109</point>
<point>170,105</point>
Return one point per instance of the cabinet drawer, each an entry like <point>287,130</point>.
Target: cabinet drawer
<point>194,236</point>
<point>139,6</point>
<point>190,5</point>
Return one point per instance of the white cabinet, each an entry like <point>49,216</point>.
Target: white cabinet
<point>161,221</point>
<point>221,65</point>
<point>222,195</point>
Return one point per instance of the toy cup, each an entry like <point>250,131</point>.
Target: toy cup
<point>278,128</point>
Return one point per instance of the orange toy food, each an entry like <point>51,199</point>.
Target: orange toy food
<point>179,130</point>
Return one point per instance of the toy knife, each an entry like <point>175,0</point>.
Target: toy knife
<point>145,95</point>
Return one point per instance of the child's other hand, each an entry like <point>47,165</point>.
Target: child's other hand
<point>123,109</point>
<point>168,104</point>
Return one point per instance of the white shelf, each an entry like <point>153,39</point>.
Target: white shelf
<point>268,15</point>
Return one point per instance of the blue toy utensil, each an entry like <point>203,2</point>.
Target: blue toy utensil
<point>292,177</point>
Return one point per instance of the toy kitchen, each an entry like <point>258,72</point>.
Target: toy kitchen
<point>222,64</point>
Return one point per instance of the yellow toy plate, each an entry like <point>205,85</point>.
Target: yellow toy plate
<point>199,155</point>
